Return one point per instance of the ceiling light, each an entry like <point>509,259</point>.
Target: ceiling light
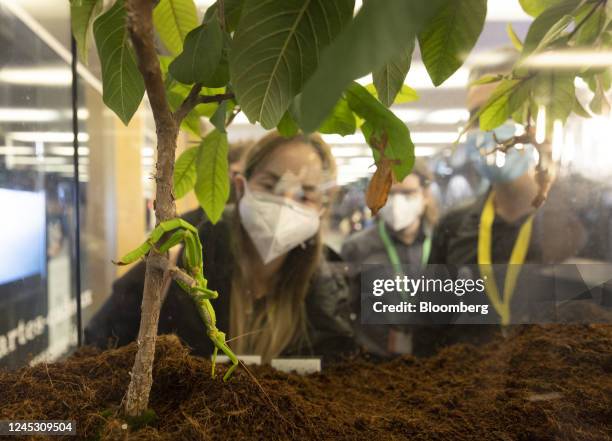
<point>361,162</point>
<point>37,160</point>
<point>448,116</point>
<point>67,151</point>
<point>425,151</point>
<point>46,136</point>
<point>349,151</point>
<point>434,137</point>
<point>16,150</point>
<point>418,78</point>
<point>409,115</point>
<point>490,58</point>
<point>15,114</point>
<point>569,58</point>
<point>40,76</point>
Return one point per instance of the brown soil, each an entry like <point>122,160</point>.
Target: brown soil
<point>544,383</point>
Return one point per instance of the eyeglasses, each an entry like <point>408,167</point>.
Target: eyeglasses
<point>290,186</point>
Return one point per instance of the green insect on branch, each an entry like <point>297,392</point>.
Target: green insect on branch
<point>191,279</point>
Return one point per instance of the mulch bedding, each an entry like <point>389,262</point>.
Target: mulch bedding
<point>539,383</point>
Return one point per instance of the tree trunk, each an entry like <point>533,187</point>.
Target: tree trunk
<point>140,24</point>
<point>165,209</point>
<point>142,371</point>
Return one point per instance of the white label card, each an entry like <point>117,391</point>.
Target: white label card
<point>301,366</point>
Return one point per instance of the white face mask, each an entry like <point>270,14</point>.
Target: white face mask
<point>276,224</point>
<point>401,210</point>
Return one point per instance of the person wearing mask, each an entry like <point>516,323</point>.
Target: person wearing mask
<point>401,235</point>
<point>505,209</point>
<point>503,226</point>
<point>277,295</point>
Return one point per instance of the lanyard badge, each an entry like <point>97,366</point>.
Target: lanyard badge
<point>392,252</point>
<point>517,258</point>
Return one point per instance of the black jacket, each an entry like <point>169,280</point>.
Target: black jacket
<point>367,248</point>
<point>573,222</point>
<point>561,230</point>
<point>117,322</point>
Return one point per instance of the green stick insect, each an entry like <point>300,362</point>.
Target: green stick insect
<point>192,261</point>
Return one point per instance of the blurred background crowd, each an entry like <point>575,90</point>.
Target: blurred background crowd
<point>427,218</point>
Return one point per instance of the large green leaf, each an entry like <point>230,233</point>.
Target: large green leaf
<point>218,118</point>
<point>390,78</point>
<point>449,37</point>
<point>536,7</point>
<point>341,121</point>
<point>174,19</point>
<point>594,23</point>
<point>379,122</point>
<point>276,48</point>
<point>545,22</point>
<point>555,91</point>
<point>220,77</point>
<point>507,97</point>
<point>212,183</point>
<point>185,172</point>
<point>377,35</point>
<point>555,35</point>
<point>201,55</point>
<point>81,14</point>
<point>122,84</point>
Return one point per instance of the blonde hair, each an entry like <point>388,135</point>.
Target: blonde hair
<point>268,327</point>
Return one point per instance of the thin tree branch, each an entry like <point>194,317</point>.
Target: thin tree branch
<point>194,98</point>
<point>203,99</point>
<point>190,102</point>
<point>175,272</point>
<point>140,24</point>
<point>507,144</point>
<point>544,170</point>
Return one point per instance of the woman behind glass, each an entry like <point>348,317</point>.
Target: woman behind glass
<point>277,295</point>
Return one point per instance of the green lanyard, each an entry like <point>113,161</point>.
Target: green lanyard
<point>392,252</point>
